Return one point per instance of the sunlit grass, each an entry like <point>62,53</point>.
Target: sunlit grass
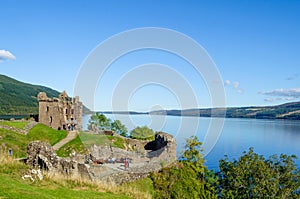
<point>103,140</point>
<point>13,186</point>
<point>44,133</point>
<point>15,124</point>
<point>18,142</point>
<point>75,144</point>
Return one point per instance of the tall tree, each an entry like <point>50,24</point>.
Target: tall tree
<point>118,127</point>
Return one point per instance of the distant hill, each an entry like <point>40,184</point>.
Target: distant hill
<point>284,111</point>
<point>19,98</point>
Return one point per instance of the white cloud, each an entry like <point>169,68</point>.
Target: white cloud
<point>4,54</point>
<point>269,99</point>
<point>227,82</point>
<point>234,85</point>
<point>291,92</point>
<point>282,94</point>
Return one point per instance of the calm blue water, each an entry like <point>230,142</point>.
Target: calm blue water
<point>268,137</point>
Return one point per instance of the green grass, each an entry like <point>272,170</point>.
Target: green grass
<point>75,145</point>
<point>18,142</point>
<point>15,141</point>
<point>106,140</point>
<point>16,188</point>
<point>43,133</point>
<point>13,186</point>
<point>16,124</point>
<point>144,185</point>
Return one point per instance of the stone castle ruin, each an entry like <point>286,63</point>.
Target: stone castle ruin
<point>106,163</point>
<point>60,113</point>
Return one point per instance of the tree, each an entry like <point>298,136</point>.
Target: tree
<point>192,154</point>
<point>186,178</point>
<point>99,121</point>
<point>118,127</point>
<point>142,133</point>
<point>253,176</point>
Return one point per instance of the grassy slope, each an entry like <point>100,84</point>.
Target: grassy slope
<point>43,133</point>
<point>16,124</point>
<point>18,142</point>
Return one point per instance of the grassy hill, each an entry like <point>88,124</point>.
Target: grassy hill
<point>18,98</point>
<point>18,142</point>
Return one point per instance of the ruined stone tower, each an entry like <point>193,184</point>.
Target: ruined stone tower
<point>60,113</point>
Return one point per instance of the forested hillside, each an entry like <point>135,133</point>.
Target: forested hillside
<point>18,98</point>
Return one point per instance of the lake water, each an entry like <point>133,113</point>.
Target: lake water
<point>268,137</point>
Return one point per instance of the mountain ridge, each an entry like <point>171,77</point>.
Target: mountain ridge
<point>289,110</point>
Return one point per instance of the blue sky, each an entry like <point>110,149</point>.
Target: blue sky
<point>255,45</point>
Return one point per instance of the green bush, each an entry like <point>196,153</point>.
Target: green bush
<point>142,133</point>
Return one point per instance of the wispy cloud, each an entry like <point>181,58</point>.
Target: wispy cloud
<point>292,77</point>
<point>235,85</point>
<point>282,94</point>
<point>4,55</point>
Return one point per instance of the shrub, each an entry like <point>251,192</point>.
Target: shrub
<point>142,133</point>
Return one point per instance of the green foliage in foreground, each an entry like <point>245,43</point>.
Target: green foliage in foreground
<point>75,144</point>
<point>142,133</point>
<point>185,179</point>
<point>143,185</point>
<point>18,142</point>
<point>16,124</point>
<point>253,176</point>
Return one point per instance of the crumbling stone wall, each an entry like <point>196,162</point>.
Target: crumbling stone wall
<point>42,155</point>
<point>60,113</point>
<point>154,155</point>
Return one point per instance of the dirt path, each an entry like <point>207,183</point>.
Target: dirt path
<point>71,135</point>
